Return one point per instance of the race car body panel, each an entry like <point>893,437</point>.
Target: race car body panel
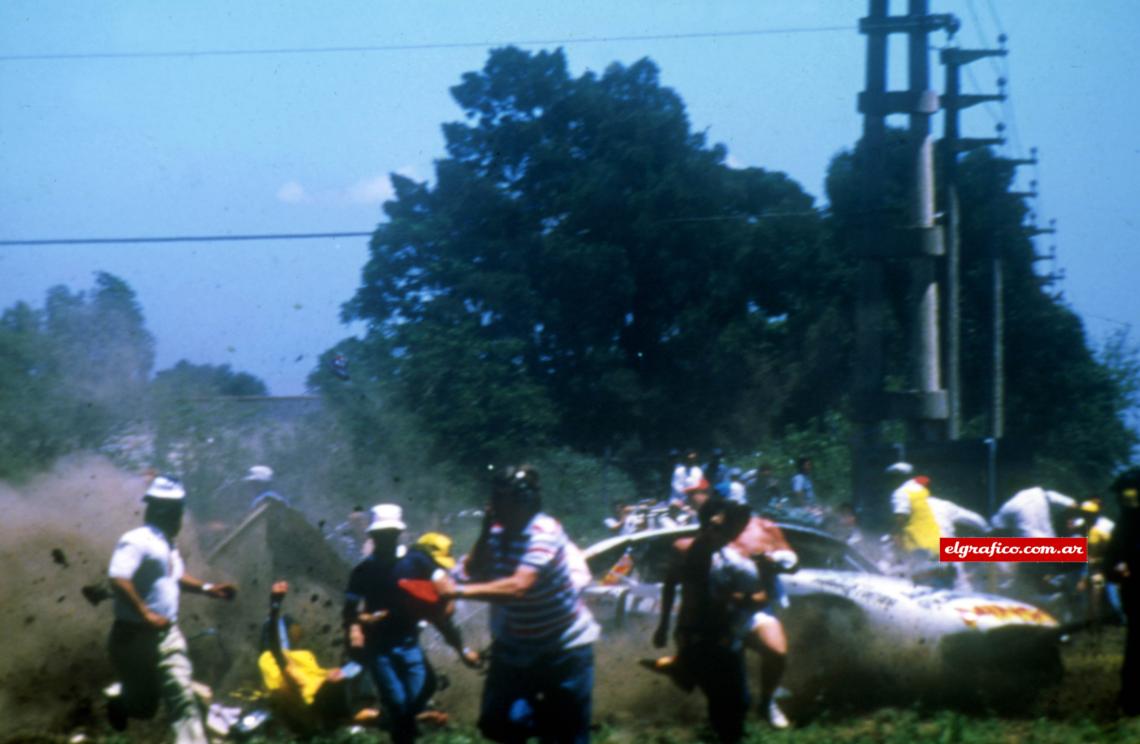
<point>842,615</point>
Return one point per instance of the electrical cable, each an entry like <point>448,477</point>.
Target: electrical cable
<point>183,238</point>
<point>420,47</point>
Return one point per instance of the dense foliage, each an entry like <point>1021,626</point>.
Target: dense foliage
<point>587,270</point>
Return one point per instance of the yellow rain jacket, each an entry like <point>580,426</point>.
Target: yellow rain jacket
<point>303,664</point>
<point>920,531</point>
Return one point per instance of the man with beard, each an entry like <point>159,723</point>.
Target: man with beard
<point>147,649</point>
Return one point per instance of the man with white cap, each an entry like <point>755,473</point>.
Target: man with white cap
<point>389,593</point>
<point>147,649</point>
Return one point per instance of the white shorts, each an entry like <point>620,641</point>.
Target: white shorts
<point>761,618</point>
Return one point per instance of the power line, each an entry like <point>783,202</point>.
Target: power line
<point>420,47</point>
<point>314,236</point>
<point>184,238</point>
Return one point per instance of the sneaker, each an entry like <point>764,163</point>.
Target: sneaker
<point>671,667</point>
<point>661,664</point>
<point>776,717</point>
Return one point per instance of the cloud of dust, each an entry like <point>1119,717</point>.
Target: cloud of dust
<point>56,536</point>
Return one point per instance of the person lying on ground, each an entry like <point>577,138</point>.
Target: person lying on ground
<point>305,696</point>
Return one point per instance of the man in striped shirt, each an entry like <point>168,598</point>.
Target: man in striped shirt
<point>541,676</point>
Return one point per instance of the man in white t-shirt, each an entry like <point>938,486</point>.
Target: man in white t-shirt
<point>147,649</point>
<point>1030,513</point>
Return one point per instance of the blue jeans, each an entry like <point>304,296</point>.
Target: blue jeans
<point>405,683</point>
<point>549,698</point>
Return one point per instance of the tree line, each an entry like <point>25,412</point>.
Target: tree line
<point>586,270</point>
<point>586,279</point>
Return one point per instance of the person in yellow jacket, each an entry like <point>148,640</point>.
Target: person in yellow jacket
<point>916,528</point>
<point>305,695</point>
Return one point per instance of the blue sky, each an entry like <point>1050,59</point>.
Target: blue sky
<point>241,144</point>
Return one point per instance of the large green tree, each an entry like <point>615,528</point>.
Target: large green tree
<point>587,269</point>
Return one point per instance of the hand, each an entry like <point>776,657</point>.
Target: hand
<point>156,621</point>
<point>444,586</point>
<point>222,591</point>
<point>471,658</point>
<point>335,675</point>
<point>355,636</point>
<point>660,637</point>
<point>279,590</point>
<point>370,618</point>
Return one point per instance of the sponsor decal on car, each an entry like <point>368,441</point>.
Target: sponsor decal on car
<point>994,614</point>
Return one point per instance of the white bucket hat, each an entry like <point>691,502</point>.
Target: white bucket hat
<point>900,468</point>
<point>260,473</point>
<point>165,489</point>
<point>387,517</point>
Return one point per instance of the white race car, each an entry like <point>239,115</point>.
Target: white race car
<point>852,629</point>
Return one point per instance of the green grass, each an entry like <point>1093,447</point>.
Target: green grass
<point>1080,709</point>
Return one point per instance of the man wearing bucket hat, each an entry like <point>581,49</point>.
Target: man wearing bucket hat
<point>147,649</point>
<point>389,593</point>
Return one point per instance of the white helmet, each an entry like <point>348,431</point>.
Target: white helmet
<point>167,489</point>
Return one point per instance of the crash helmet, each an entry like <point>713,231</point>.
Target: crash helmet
<point>519,484</point>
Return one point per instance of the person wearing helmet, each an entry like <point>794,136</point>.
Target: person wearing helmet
<point>1122,559</point>
<point>148,651</point>
<point>541,676</point>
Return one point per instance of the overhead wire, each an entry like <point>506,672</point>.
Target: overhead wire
<point>421,47</point>
<point>183,238</point>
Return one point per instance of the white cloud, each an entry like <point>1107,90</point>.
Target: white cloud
<point>292,192</point>
<point>370,191</point>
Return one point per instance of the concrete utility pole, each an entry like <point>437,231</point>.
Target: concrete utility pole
<point>953,101</point>
<point>918,241</point>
